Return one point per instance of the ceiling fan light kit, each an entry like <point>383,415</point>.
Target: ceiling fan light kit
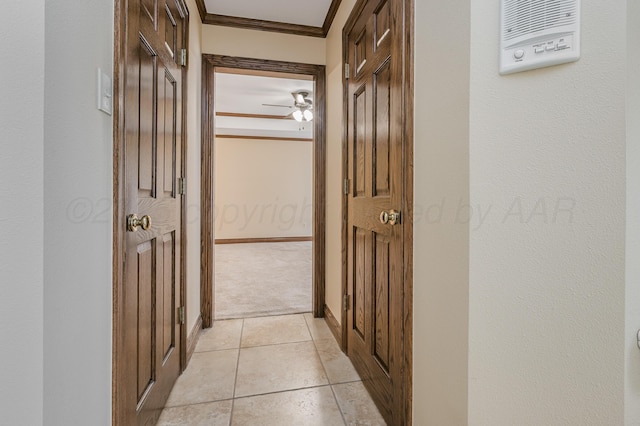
<point>304,105</point>
<point>308,115</point>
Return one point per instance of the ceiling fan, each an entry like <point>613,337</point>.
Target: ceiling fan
<point>302,104</point>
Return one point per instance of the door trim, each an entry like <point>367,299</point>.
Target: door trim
<point>407,51</point>
<point>317,72</point>
<point>119,357</point>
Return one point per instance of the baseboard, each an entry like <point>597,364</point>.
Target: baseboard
<point>192,339</point>
<point>263,240</point>
<point>334,325</point>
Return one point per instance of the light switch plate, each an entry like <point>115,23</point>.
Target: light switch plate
<point>105,92</point>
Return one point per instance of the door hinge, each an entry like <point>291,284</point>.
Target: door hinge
<point>346,71</point>
<point>182,186</point>
<point>181,315</point>
<point>345,187</point>
<point>346,302</point>
<point>183,57</point>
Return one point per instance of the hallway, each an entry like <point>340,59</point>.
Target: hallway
<point>279,370</point>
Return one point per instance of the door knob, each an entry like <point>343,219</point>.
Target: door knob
<point>391,217</point>
<point>133,222</point>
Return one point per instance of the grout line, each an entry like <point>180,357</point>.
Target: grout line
<point>335,398</point>
<point>235,379</point>
<point>197,403</point>
<point>276,344</point>
<point>264,315</point>
<point>283,391</point>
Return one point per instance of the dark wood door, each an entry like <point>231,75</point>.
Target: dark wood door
<point>374,234</point>
<point>153,126</point>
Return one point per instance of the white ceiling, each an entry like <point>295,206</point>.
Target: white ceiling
<point>301,12</point>
<point>246,94</point>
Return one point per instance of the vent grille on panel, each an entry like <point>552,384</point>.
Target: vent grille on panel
<point>523,17</point>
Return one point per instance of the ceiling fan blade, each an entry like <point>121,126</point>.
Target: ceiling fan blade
<point>279,106</point>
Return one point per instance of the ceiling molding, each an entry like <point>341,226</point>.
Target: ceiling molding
<point>256,24</point>
<point>202,9</point>
<point>271,26</point>
<point>331,14</point>
<point>264,138</point>
<point>265,116</point>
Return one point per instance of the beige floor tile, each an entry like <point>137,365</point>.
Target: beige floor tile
<point>336,363</point>
<point>308,407</point>
<point>274,330</point>
<point>318,327</point>
<point>223,335</point>
<point>357,406</point>
<point>209,377</point>
<point>208,414</point>
<point>290,366</point>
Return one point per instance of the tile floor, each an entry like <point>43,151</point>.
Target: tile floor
<point>279,370</point>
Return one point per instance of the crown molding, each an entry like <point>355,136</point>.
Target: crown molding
<point>271,26</point>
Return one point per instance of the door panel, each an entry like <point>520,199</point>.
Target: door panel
<point>148,65</point>
<point>152,110</point>
<point>361,267</point>
<point>168,294</point>
<point>381,318</point>
<point>382,120</point>
<point>375,257</point>
<point>146,278</point>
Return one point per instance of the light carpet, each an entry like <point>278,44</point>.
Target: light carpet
<point>254,280</point>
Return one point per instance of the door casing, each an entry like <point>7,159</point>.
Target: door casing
<point>406,49</point>
<point>209,64</point>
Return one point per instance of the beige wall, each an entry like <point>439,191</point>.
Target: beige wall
<point>22,215</point>
<point>545,236</point>
<point>262,45</point>
<point>78,231</point>
<point>334,161</point>
<point>263,188</point>
<point>441,235</point>
<point>194,91</point>
<point>547,287</point>
<point>632,354</point>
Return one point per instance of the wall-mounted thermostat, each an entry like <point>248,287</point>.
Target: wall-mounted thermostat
<point>538,33</point>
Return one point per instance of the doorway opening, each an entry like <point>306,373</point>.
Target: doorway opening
<point>218,68</point>
<point>263,194</point>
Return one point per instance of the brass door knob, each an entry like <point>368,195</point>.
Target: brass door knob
<point>391,217</point>
<point>133,222</point>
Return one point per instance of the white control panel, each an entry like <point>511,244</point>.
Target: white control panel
<point>539,53</point>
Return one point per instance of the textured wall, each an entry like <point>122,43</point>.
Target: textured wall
<point>334,160</point>
<point>547,169</point>
<point>632,354</point>
<point>262,45</point>
<point>441,231</point>
<point>263,188</point>
<point>21,213</point>
<point>193,165</point>
<point>78,193</point>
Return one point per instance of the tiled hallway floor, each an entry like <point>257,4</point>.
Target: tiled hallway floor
<point>280,371</point>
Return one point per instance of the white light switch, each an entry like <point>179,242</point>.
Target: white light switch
<point>105,92</point>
